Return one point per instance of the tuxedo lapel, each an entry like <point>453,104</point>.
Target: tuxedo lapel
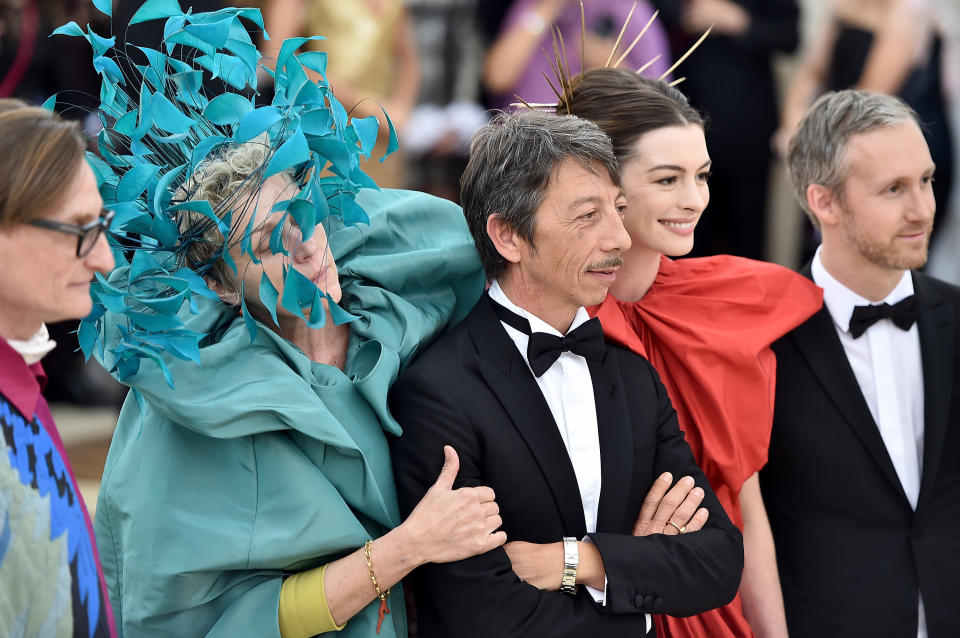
<point>511,381</point>
<point>616,442</point>
<point>820,346</point>
<point>937,327</point>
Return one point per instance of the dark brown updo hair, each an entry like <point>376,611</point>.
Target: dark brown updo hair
<point>627,106</point>
<point>40,157</point>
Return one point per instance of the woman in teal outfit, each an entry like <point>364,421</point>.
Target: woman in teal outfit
<point>239,501</point>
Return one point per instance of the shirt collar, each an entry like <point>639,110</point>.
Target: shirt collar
<point>20,383</point>
<point>536,323</point>
<point>840,300</point>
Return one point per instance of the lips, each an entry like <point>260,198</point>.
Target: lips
<point>682,227</point>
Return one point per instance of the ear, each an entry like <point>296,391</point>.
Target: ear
<point>824,203</point>
<point>505,239</point>
<point>228,296</point>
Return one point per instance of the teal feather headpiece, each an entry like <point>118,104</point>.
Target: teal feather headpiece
<point>159,125</point>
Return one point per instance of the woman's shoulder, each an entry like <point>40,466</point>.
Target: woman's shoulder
<point>734,281</point>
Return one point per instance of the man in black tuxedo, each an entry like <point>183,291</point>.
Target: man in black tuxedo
<point>569,431</point>
<point>863,479</point>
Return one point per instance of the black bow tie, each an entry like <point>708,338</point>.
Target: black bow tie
<point>543,349</point>
<point>903,313</point>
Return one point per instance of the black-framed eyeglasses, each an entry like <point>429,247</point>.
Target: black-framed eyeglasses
<point>87,235</point>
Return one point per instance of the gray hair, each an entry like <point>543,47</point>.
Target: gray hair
<point>512,160</point>
<point>818,148</point>
<point>230,181</point>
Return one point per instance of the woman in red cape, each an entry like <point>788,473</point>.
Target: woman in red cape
<point>705,324</point>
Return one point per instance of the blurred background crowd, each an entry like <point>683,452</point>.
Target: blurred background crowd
<point>438,68</point>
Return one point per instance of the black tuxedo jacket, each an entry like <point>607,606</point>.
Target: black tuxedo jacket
<point>852,553</point>
<point>472,390</point>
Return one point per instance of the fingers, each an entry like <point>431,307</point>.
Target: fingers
<point>495,540</point>
<point>448,473</point>
<point>685,512</point>
<point>483,493</point>
<point>699,520</point>
<point>670,502</point>
<point>651,502</point>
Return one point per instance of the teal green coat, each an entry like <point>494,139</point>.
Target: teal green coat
<point>261,462</point>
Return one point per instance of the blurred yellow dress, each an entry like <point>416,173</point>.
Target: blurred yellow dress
<point>361,37</point>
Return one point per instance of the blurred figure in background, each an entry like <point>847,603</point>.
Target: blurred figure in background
<point>515,62</point>
<point>52,243</point>
<point>448,111</point>
<point>731,81</point>
<point>886,46</point>
<point>371,47</point>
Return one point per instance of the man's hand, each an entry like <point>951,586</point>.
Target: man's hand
<point>664,505</point>
<point>541,565</point>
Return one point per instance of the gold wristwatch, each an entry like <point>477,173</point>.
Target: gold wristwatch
<point>571,559</point>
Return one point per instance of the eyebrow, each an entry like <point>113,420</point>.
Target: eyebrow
<point>674,167</point>
<point>84,217</point>
<point>589,199</point>
<point>889,180</point>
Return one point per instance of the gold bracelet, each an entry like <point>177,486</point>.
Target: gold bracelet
<point>384,610</point>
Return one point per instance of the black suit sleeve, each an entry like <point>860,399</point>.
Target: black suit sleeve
<point>686,574</point>
<point>481,596</point>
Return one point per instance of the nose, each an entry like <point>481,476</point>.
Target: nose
<point>615,235</point>
<point>694,196</point>
<point>923,205</point>
<point>302,250</point>
<point>100,259</point>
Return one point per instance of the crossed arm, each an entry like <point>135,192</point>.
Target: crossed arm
<point>482,596</point>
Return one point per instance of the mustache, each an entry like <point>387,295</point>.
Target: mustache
<point>608,263</point>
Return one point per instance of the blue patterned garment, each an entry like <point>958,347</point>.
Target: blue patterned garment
<point>50,581</point>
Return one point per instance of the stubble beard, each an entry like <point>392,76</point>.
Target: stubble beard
<point>886,255</point>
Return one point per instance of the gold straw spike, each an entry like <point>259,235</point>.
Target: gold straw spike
<point>676,82</point>
<point>687,54</point>
<point>623,29</point>
<point>648,64</point>
<point>566,62</point>
<point>583,38</point>
<point>636,39</point>
<point>558,74</point>
<point>550,84</point>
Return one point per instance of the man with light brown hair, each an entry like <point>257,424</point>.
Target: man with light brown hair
<point>863,480</point>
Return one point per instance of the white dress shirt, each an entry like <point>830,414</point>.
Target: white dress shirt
<point>568,389</point>
<point>887,364</point>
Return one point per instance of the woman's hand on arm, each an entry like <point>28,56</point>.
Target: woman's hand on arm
<point>447,525</point>
<point>760,586</point>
